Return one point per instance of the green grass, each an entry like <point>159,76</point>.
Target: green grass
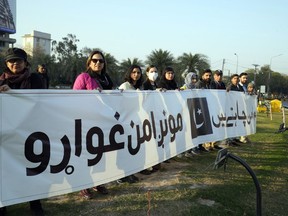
<point>197,189</point>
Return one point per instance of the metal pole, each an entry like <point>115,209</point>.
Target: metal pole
<point>269,75</point>
<point>237,63</point>
<point>223,65</point>
<point>257,185</point>
<point>255,65</point>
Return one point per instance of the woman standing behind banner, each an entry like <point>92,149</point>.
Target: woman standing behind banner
<point>133,78</point>
<point>152,75</point>
<point>17,75</point>
<point>95,77</point>
<point>150,84</point>
<point>133,81</point>
<point>167,81</point>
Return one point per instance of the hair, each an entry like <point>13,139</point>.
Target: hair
<point>129,79</point>
<point>234,75</point>
<point>168,84</point>
<point>167,69</point>
<point>251,85</point>
<point>90,57</point>
<point>149,67</point>
<point>243,74</point>
<point>218,72</point>
<point>206,71</point>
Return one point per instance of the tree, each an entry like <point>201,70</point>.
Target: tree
<point>193,63</point>
<point>126,64</point>
<point>113,69</point>
<point>68,59</point>
<point>160,59</point>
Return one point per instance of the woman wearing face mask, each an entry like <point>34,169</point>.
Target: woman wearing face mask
<point>150,82</point>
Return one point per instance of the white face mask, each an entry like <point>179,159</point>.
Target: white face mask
<point>152,76</point>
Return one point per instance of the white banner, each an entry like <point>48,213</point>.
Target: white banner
<point>60,141</point>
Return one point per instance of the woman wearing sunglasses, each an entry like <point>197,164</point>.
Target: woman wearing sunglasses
<point>95,77</point>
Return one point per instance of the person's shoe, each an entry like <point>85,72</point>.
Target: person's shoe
<point>211,148</point>
<point>129,179</point>
<point>217,147</point>
<point>195,151</point>
<point>120,181</point>
<point>86,194</point>
<point>188,155</point>
<point>101,189</point>
<point>156,168</point>
<point>202,149</point>
<point>146,172</point>
<point>234,143</point>
<point>2,211</point>
<point>134,178</point>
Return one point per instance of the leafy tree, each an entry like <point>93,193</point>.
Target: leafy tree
<point>160,59</point>
<point>193,63</point>
<point>68,58</point>
<point>188,62</point>
<point>113,69</point>
<point>126,64</point>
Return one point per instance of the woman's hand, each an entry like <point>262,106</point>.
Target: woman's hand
<point>4,88</point>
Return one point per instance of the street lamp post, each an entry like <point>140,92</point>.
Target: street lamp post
<point>269,75</point>
<point>237,63</point>
<point>255,65</point>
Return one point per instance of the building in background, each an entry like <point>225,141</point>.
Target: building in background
<point>7,23</point>
<point>37,42</point>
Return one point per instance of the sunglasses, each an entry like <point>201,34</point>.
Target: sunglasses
<point>98,60</point>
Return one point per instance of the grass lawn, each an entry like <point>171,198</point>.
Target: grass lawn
<point>190,186</point>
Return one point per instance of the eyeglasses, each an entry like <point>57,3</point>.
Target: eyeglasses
<point>98,60</point>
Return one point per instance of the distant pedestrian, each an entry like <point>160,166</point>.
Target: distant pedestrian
<point>43,74</point>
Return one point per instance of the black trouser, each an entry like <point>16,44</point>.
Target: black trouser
<point>34,205</point>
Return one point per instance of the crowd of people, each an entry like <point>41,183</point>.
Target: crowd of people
<point>17,75</point>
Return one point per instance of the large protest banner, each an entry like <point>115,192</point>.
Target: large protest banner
<point>60,141</point>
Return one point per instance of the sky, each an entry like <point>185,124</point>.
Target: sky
<point>244,31</point>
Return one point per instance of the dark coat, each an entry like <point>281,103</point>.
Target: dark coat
<point>148,86</point>
<point>217,85</point>
<point>237,87</point>
<point>33,81</point>
<point>200,84</point>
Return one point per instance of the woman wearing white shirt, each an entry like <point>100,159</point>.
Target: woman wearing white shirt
<point>133,78</point>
